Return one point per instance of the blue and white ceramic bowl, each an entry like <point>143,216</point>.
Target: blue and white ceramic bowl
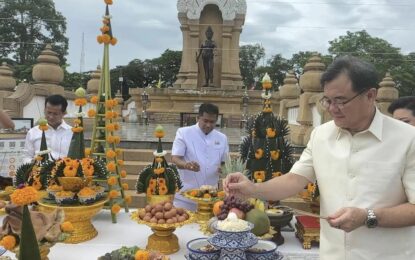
<point>88,199</point>
<point>196,251</point>
<point>233,240</point>
<point>64,198</point>
<point>263,250</point>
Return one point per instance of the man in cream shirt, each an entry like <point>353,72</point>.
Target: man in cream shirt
<point>364,163</point>
<point>59,134</point>
<point>198,152</point>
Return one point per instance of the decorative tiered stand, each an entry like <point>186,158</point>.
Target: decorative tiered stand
<point>163,239</point>
<point>204,207</point>
<point>80,216</point>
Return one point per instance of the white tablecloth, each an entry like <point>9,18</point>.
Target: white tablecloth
<point>129,233</point>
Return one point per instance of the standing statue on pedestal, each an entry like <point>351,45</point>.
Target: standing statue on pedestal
<point>207,52</point>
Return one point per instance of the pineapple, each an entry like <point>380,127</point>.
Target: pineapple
<point>232,165</point>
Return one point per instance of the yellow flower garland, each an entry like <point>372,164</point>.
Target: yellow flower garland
<point>24,196</point>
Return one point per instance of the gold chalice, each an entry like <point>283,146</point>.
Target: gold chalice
<point>80,216</point>
<point>204,206</point>
<point>163,239</point>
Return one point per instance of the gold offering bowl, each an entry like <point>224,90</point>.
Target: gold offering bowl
<point>73,183</point>
<point>80,216</point>
<point>204,206</point>
<point>163,239</point>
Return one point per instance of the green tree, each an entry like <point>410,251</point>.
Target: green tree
<point>249,56</point>
<point>168,66</point>
<point>26,27</point>
<point>279,67</point>
<point>381,53</point>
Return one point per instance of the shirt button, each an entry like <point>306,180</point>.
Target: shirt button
<point>352,175</point>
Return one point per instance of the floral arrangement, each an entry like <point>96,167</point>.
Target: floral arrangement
<point>106,36</point>
<point>36,172</point>
<point>265,149</point>
<point>15,233</point>
<point>159,178</point>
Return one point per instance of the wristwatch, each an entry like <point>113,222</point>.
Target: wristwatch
<point>371,220</point>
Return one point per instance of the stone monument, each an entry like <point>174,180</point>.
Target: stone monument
<point>225,19</point>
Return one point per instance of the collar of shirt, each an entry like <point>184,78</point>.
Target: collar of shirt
<point>201,131</point>
<point>375,127</point>
<point>63,125</point>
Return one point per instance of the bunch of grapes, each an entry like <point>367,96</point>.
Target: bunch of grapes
<point>233,202</point>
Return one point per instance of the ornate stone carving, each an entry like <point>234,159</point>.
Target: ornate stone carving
<point>7,82</point>
<point>229,8</point>
<point>47,70</point>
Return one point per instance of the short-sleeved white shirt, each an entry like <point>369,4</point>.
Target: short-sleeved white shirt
<point>58,140</point>
<point>371,169</point>
<point>208,150</point>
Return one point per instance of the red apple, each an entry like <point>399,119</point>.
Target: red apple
<point>239,213</point>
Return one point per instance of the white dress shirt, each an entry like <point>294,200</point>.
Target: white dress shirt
<point>57,140</point>
<point>208,150</point>
<point>371,169</point>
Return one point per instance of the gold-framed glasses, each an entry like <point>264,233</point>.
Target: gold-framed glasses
<point>339,103</point>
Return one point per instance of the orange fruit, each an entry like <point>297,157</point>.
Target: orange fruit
<point>217,207</point>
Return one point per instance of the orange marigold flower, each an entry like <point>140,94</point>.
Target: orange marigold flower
<point>113,41</point>
<point>106,38</point>
<point>8,242</point>
<point>100,40</point>
<point>77,121</point>
<point>111,166</point>
<point>276,174</point>
<point>113,194</point>
<point>125,186</point>
<point>114,102</point>
<point>108,115</point>
<point>266,85</point>
<point>110,139</point>
<point>24,196</point>
<point>112,181</point>
<point>163,190</point>
<point>123,173</point>
<point>94,99</point>
<point>69,171</point>
<point>259,153</point>
<point>117,139</point>
<point>67,160</point>
<point>115,208</point>
<point>116,127</point>
<point>159,134</point>
<point>43,127</point>
<point>275,155</point>
<point>110,127</point>
<point>109,103</point>
<point>111,154</point>
<point>152,183</point>
<point>91,112</point>
<point>127,199</point>
<point>267,110</point>
<point>67,227</point>
<point>104,29</point>
<point>88,170</point>
<point>108,2</point>
<point>162,181</point>
<point>119,151</point>
<point>159,170</point>
<point>114,114</point>
<point>259,175</point>
<point>120,162</point>
<point>77,129</point>
<point>150,191</point>
<point>87,151</point>
<point>80,101</point>
<point>159,159</point>
<point>271,133</point>
<point>142,255</point>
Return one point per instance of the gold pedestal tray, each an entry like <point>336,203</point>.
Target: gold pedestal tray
<point>204,206</point>
<point>80,217</point>
<point>163,239</point>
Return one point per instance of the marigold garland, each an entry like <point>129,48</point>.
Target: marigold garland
<point>120,162</point>
<point>100,39</point>
<point>24,196</point>
<point>67,227</point>
<point>109,103</point>
<point>70,171</point>
<point>91,112</point>
<point>271,133</point>
<point>113,194</point>
<point>43,127</point>
<point>111,154</point>
<point>94,100</point>
<point>113,41</point>
<point>275,155</point>
<point>125,186</point>
<point>80,102</point>
<point>106,38</point>
<point>111,166</point>
<point>108,115</point>
<point>110,127</point>
<point>127,199</point>
<point>123,173</point>
<point>112,181</point>
<point>115,208</point>
<point>259,153</point>
<point>8,242</point>
<point>163,190</point>
<point>259,175</point>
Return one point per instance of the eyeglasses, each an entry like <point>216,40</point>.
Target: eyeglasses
<point>326,102</point>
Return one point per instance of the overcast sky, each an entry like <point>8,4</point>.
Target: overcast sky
<point>146,28</point>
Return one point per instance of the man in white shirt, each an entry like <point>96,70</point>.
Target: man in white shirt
<point>364,163</point>
<point>198,152</point>
<point>58,135</point>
